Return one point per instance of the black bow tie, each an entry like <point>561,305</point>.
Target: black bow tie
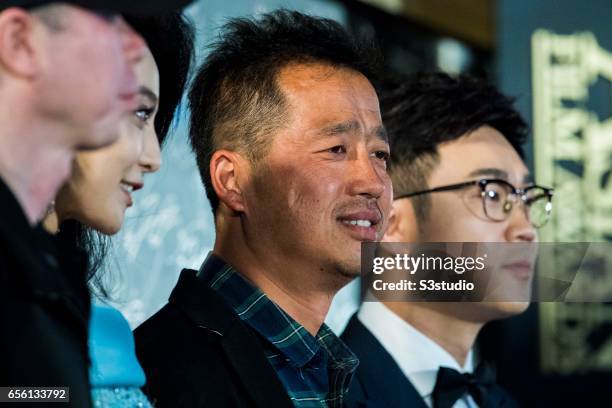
<point>451,385</point>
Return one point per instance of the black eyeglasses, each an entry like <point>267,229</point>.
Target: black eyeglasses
<point>499,198</point>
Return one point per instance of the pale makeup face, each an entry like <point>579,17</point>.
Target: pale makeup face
<point>457,216</point>
<point>100,188</point>
<point>87,80</point>
<point>323,188</point>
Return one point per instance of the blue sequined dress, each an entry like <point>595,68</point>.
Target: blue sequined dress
<point>115,374</point>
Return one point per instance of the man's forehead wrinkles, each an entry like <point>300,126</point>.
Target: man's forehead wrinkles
<point>354,127</point>
<point>348,126</point>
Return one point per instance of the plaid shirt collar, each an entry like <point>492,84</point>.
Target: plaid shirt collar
<point>270,321</point>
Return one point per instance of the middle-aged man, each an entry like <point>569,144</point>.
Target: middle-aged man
<point>292,151</point>
<point>66,78</point>
<point>458,176</point>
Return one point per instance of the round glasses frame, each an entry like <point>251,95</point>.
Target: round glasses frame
<point>522,194</point>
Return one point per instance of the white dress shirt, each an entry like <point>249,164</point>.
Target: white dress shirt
<point>418,356</point>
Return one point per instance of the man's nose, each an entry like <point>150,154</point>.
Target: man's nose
<point>520,227</point>
<point>366,178</point>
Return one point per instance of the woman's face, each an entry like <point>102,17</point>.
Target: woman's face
<point>102,182</point>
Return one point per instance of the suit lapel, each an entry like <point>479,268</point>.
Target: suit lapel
<point>499,398</point>
<point>379,381</point>
<point>254,370</point>
<point>240,345</point>
<point>47,281</point>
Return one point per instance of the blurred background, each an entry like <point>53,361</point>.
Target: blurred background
<point>554,56</point>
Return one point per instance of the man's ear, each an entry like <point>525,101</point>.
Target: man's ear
<point>17,52</point>
<point>402,225</point>
<point>225,168</point>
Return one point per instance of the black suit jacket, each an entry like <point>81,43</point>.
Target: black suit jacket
<point>196,352</point>
<point>379,381</point>
<point>44,308</point>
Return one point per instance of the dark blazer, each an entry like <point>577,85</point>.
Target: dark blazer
<point>196,352</point>
<point>44,308</point>
<point>379,381</point>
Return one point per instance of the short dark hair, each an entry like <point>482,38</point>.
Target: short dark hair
<point>50,14</point>
<point>427,109</point>
<point>171,41</point>
<point>235,99</point>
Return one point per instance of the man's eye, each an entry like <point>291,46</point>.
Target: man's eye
<point>493,196</point>
<point>338,149</point>
<point>382,155</point>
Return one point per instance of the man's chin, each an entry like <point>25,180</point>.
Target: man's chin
<point>502,310</point>
<point>349,269</point>
<point>344,261</point>
<point>349,274</point>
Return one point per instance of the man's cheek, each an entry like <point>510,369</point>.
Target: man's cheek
<point>387,199</point>
<point>476,230</point>
<point>327,184</point>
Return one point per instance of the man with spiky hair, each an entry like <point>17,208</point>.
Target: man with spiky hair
<point>290,145</point>
<point>458,176</point>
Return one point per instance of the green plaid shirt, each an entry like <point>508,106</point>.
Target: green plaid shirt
<point>316,370</point>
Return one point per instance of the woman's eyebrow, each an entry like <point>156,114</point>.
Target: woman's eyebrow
<point>148,93</point>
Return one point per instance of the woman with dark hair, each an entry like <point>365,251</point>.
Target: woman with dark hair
<point>92,204</point>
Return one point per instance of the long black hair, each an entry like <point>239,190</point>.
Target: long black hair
<point>171,41</point>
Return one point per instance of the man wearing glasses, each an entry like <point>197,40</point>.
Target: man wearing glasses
<point>458,176</point>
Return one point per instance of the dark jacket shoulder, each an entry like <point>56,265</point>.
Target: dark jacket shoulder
<point>44,308</point>
<point>378,382</point>
<point>197,352</point>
